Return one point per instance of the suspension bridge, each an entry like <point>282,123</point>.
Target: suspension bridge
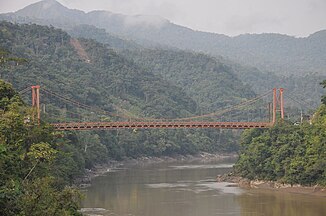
<point>276,107</point>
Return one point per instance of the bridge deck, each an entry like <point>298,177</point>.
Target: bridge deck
<point>175,125</point>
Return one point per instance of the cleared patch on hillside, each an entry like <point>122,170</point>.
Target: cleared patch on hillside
<point>80,50</point>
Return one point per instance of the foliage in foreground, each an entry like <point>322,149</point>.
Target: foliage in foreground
<point>286,153</point>
<point>31,180</point>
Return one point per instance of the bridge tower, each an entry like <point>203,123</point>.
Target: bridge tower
<point>36,102</point>
<point>278,100</point>
<point>281,103</point>
<point>274,105</point>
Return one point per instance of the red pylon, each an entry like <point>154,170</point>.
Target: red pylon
<point>36,102</point>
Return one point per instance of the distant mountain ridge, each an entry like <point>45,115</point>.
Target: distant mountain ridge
<point>46,9</point>
<point>305,88</point>
<point>277,53</point>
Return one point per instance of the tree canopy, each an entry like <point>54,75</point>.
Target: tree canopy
<point>288,153</point>
<point>30,163</point>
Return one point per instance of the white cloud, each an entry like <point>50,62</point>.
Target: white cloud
<point>232,17</point>
<point>145,20</point>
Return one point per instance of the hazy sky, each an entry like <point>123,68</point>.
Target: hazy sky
<point>231,17</point>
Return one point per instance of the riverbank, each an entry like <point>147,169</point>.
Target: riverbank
<point>315,190</point>
<point>102,169</point>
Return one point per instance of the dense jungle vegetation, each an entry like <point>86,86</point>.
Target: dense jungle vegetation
<point>281,54</point>
<point>105,79</point>
<point>263,61</point>
<point>266,60</point>
<point>212,83</point>
<point>193,72</point>
<point>294,154</point>
<point>36,163</point>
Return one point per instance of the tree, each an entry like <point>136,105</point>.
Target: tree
<point>287,153</point>
<point>5,58</point>
<point>27,153</point>
<point>323,99</point>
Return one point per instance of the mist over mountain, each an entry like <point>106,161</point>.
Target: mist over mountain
<point>262,61</point>
<point>187,70</point>
<point>277,53</point>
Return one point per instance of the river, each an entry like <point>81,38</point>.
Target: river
<point>188,189</point>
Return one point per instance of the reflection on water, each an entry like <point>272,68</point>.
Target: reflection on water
<point>202,166</point>
<point>182,189</point>
<point>269,203</point>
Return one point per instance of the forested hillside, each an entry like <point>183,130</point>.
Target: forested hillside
<point>212,83</point>
<point>278,53</point>
<point>100,35</point>
<point>89,72</point>
<point>302,88</point>
<point>287,153</point>
<point>305,90</point>
<point>54,63</point>
<point>296,63</point>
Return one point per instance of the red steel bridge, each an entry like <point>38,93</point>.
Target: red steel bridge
<point>135,122</point>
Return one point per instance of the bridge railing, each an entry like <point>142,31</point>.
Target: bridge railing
<point>172,125</point>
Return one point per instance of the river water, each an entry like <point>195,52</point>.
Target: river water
<point>189,189</point>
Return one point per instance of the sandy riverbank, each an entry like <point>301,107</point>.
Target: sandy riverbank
<point>315,190</point>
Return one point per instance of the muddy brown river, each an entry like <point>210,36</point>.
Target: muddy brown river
<point>188,189</point>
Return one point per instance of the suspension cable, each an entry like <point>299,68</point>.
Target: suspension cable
<point>81,105</point>
<point>245,103</point>
<point>96,109</point>
<point>299,101</point>
<point>302,103</point>
<point>24,91</point>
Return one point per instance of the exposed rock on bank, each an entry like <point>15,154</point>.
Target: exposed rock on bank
<point>271,185</point>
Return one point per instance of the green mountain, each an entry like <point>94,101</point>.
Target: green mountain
<point>301,92</point>
<point>211,82</point>
<point>263,61</point>
<point>100,35</point>
<point>189,73</point>
<point>277,53</point>
<point>93,74</point>
<point>56,63</point>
